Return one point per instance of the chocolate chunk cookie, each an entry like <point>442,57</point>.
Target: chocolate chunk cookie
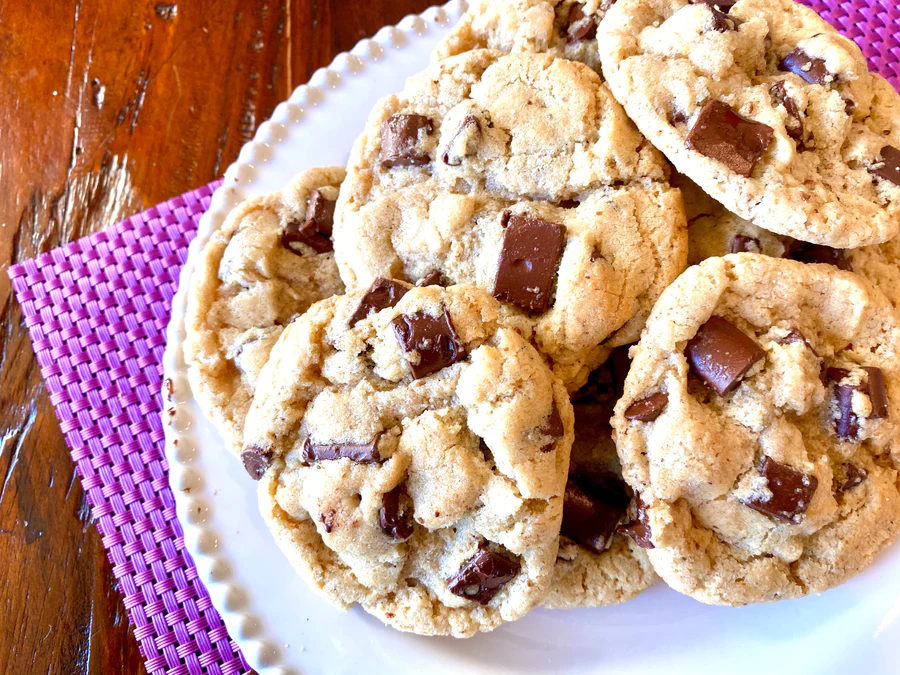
<point>267,264</point>
<point>768,469</point>
<point>767,108</point>
<point>597,564</point>
<point>537,190</point>
<point>563,28</point>
<point>434,499</point>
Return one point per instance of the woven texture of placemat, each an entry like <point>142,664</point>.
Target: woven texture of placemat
<point>97,311</point>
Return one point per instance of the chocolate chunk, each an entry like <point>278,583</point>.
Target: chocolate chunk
<point>402,139</point>
<point>853,476</point>
<point>795,336</point>
<point>677,117</point>
<point>554,427</point>
<point>720,354</point>
<point>794,126</point>
<point>531,251</point>
<point>592,512</point>
<point>432,279</point>
<point>433,340</point>
<point>315,231</point>
<point>256,460</point>
<point>847,425</point>
<point>811,69</point>
<point>722,23</point>
<point>815,253</point>
<point>382,294</point>
<point>888,165</point>
<point>721,5</point>
<point>744,244</point>
<point>648,408</point>
<point>580,26</point>
<point>364,453</point>
<point>721,134</point>
<point>483,576</point>
<point>791,490</point>
<point>327,520</point>
<point>453,156</point>
<point>395,519</point>
<point>569,204</point>
<point>639,527</point>
<point>876,391</point>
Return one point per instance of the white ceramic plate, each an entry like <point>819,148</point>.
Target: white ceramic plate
<point>283,627</point>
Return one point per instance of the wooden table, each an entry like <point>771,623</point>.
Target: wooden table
<point>108,107</point>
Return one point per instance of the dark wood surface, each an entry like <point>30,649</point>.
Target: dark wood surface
<point>108,107</point>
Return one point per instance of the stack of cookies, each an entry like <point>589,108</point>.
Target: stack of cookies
<point>607,294</point>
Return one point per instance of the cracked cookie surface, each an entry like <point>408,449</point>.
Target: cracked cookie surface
<point>563,28</point>
<point>759,429</point>
<point>519,174</point>
<point>435,499</point>
<point>259,271</point>
<point>767,108</point>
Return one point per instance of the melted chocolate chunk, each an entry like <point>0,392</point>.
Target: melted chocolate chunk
<point>401,140</point>
<point>592,512</point>
<point>648,408</point>
<point>811,69</point>
<point>395,519</point>
<point>528,261</point>
<point>432,279</point>
<point>553,427</point>
<point>744,244</point>
<point>451,157</point>
<point>720,354</point>
<point>853,476</point>
<point>794,127</point>
<point>382,294</point>
<point>433,340</point>
<point>795,336</point>
<point>722,23</point>
<point>364,453</point>
<point>315,231</point>
<point>791,490</point>
<point>876,391</point>
<point>888,166</point>
<point>256,460</point>
<point>580,26</point>
<point>639,527</point>
<point>569,204</point>
<point>815,253</point>
<point>483,576</point>
<point>721,134</point>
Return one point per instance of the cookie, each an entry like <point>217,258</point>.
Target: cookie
<point>715,231</point>
<point>511,190</point>
<point>434,498</point>
<point>563,28</point>
<point>759,429</point>
<point>597,565</point>
<point>270,260</point>
<point>766,107</point>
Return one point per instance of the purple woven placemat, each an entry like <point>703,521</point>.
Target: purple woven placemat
<point>97,311</point>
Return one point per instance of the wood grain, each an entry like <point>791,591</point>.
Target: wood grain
<point>106,108</point>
